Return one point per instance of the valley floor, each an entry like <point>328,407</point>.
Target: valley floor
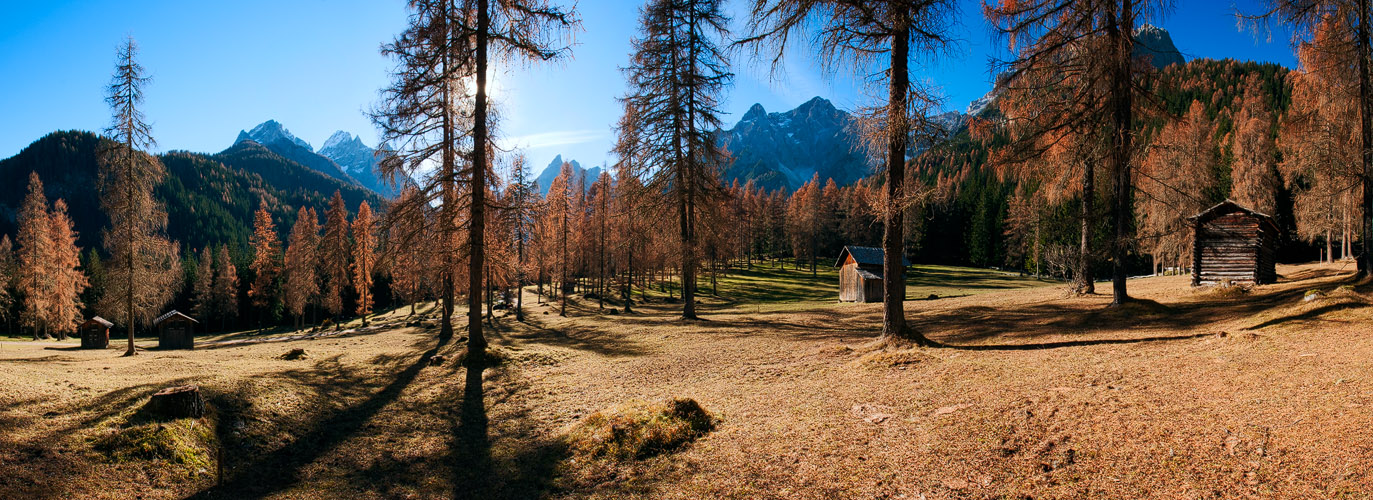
<point>1183,394</point>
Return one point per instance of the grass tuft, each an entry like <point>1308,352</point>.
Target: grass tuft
<point>640,430</point>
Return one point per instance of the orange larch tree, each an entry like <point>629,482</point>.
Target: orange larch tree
<point>266,264</point>
<point>364,258</point>
<point>334,255</point>
<point>302,264</point>
<point>65,273</point>
<point>35,251</point>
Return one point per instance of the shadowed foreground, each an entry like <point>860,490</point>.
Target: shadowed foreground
<point>1182,394</point>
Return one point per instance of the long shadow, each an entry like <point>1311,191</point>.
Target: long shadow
<point>599,341</point>
<point>281,468</point>
<point>1067,343</point>
<point>1309,314</point>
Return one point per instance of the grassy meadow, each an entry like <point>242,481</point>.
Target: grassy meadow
<point>1186,393</point>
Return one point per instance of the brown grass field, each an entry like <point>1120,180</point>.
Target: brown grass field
<point>1037,394</point>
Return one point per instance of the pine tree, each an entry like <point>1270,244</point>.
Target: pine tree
<point>364,258</point>
<point>225,293</point>
<point>64,269</point>
<point>143,271</point>
<point>35,252</point>
<point>266,264</point>
<point>302,264</point>
<point>334,255</point>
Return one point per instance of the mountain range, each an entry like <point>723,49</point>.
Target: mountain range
<point>343,157</point>
<point>545,178</point>
<point>785,150</point>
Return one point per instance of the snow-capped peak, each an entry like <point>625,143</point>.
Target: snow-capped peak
<point>271,131</point>
<point>338,138</point>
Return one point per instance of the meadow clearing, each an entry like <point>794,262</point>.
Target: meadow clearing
<point>1186,393</point>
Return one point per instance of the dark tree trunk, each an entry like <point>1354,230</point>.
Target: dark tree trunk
<point>1122,95</point>
<point>476,342</point>
<point>1365,259</point>
<point>893,226</point>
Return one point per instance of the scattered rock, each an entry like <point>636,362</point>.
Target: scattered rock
<point>1312,295</point>
<point>932,297</point>
<point>878,418</point>
<point>437,360</point>
<point>293,354</point>
<point>956,484</point>
<point>951,409</point>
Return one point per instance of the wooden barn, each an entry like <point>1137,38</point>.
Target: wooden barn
<point>95,333</point>
<point>860,274</point>
<point>1233,243</point>
<point>175,331</point>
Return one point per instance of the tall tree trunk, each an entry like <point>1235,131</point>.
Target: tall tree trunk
<point>893,227</point>
<point>1086,283</point>
<point>476,342</point>
<point>1122,97</point>
<point>447,182</point>
<point>1365,259</point>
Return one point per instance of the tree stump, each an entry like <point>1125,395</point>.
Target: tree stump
<point>177,402</point>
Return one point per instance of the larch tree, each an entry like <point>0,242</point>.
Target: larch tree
<point>143,269</point>
<point>1078,57</point>
<point>559,214</point>
<point>1254,178</point>
<point>333,255</point>
<point>523,200</point>
<point>884,38</point>
<point>407,238</point>
<point>302,265</point>
<point>1173,181</point>
<point>34,281</point>
<point>64,268</point>
<point>676,74</point>
<point>364,258</point>
<point>1340,30</point>
<point>225,293</point>
<point>266,263</point>
<point>6,282</point>
<point>202,290</point>
<point>1319,141</point>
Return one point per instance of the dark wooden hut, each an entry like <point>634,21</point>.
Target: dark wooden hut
<point>175,331</point>
<point>95,333</point>
<point>860,274</point>
<point>1233,243</point>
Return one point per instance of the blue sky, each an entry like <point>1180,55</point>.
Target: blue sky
<point>314,65</point>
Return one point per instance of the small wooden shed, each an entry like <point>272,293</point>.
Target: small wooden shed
<point>860,274</point>
<point>175,331</point>
<point>1233,243</point>
<point>95,333</point>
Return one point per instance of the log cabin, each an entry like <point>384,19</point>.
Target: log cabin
<point>95,333</point>
<point>175,331</point>
<point>1232,243</point>
<point>860,274</point>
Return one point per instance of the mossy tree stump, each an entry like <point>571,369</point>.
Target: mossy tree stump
<point>177,402</point>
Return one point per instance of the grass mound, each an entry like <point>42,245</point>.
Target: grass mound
<point>894,359</point>
<point>186,442</point>
<point>640,430</point>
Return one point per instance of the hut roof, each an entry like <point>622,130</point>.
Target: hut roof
<point>103,322</point>
<point>868,275</point>
<point>169,315</point>
<point>864,256</point>
<point>1228,207</point>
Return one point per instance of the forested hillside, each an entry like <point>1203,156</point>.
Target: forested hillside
<point>210,198</point>
<point>977,213</point>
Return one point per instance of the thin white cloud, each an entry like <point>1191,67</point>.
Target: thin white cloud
<point>556,138</point>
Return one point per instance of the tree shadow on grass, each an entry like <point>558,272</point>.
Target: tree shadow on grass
<point>281,469</point>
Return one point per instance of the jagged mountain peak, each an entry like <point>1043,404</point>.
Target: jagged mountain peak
<point>271,131</point>
<point>338,139</point>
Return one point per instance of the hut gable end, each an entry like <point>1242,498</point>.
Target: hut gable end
<point>1232,243</point>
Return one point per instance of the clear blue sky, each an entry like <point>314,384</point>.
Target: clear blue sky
<point>314,65</point>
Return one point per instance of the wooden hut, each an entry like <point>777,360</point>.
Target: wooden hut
<point>860,274</point>
<point>1233,243</point>
<point>175,331</point>
<point>95,333</point>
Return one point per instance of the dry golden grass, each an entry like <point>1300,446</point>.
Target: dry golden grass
<point>1182,394</point>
